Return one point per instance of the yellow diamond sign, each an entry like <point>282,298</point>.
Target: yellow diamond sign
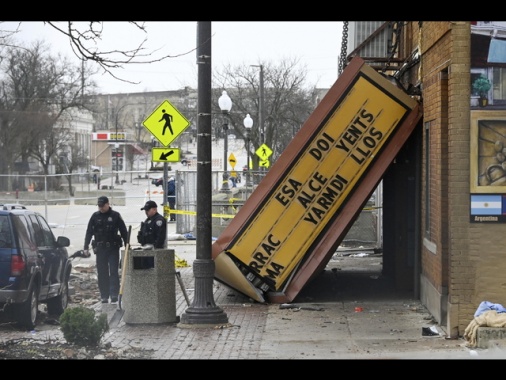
<point>166,123</point>
<point>264,152</point>
<point>231,160</point>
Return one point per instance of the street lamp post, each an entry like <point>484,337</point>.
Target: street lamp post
<point>203,311</point>
<point>225,104</point>
<point>248,124</point>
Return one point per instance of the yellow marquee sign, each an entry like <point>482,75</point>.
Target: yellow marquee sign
<point>318,183</point>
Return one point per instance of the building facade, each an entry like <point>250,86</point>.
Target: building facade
<point>444,193</point>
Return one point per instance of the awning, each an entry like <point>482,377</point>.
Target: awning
<point>497,51</point>
<point>136,149</point>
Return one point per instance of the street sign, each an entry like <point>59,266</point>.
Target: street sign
<point>264,152</point>
<point>231,160</point>
<point>166,123</point>
<point>264,163</point>
<point>165,154</point>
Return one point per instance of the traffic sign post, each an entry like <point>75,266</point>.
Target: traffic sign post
<point>264,152</point>
<point>166,123</point>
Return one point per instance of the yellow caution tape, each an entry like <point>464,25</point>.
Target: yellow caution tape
<point>181,212</point>
<point>181,263</point>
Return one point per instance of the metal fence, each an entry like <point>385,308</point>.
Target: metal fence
<point>85,188</point>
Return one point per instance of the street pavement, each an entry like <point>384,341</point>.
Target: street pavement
<point>341,314</point>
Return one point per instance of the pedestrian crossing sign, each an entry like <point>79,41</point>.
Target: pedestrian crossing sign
<point>264,152</point>
<point>166,123</point>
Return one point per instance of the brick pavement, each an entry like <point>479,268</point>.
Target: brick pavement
<point>386,328</point>
<point>239,339</point>
<point>322,323</point>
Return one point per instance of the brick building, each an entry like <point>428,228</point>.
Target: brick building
<point>437,240</point>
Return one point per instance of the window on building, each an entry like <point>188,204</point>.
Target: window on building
<point>499,85</point>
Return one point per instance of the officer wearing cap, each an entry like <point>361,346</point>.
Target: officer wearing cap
<point>154,229</point>
<point>109,230</point>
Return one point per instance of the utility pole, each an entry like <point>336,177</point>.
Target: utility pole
<point>261,104</point>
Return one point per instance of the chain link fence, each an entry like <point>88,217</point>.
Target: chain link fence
<point>85,188</point>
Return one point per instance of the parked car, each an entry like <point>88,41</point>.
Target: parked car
<point>34,266</point>
<point>157,182</point>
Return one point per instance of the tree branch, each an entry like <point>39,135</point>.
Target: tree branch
<point>83,42</point>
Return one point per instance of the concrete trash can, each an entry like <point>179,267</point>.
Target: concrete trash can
<point>149,292</point>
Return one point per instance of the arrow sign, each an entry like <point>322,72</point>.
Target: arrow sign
<point>165,155</point>
<point>264,163</point>
<point>231,160</point>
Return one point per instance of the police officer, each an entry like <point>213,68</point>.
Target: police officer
<point>154,229</point>
<point>109,229</point>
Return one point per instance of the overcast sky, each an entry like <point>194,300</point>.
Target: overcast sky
<point>317,45</point>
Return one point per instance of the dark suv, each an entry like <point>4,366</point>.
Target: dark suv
<point>34,266</point>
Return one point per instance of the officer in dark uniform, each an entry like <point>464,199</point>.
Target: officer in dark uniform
<point>109,229</point>
<point>154,229</point>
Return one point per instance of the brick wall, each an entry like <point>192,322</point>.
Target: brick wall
<point>462,263</point>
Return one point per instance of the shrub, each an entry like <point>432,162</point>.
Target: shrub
<point>79,326</point>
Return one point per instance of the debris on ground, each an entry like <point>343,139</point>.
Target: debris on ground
<point>29,348</point>
<point>297,307</point>
<point>430,331</point>
<point>84,291</point>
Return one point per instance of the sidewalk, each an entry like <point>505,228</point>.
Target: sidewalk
<point>335,318</point>
<point>344,313</point>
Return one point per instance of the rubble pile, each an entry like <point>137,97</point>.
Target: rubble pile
<point>83,285</point>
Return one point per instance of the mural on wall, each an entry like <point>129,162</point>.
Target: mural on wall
<point>488,122</point>
<point>488,151</point>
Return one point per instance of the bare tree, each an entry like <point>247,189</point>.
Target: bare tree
<point>35,90</point>
<point>288,102</point>
<point>85,39</point>
<point>73,158</point>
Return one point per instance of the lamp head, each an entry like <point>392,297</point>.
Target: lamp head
<point>225,102</point>
<point>248,122</point>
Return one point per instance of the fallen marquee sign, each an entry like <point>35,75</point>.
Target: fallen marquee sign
<point>289,227</point>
